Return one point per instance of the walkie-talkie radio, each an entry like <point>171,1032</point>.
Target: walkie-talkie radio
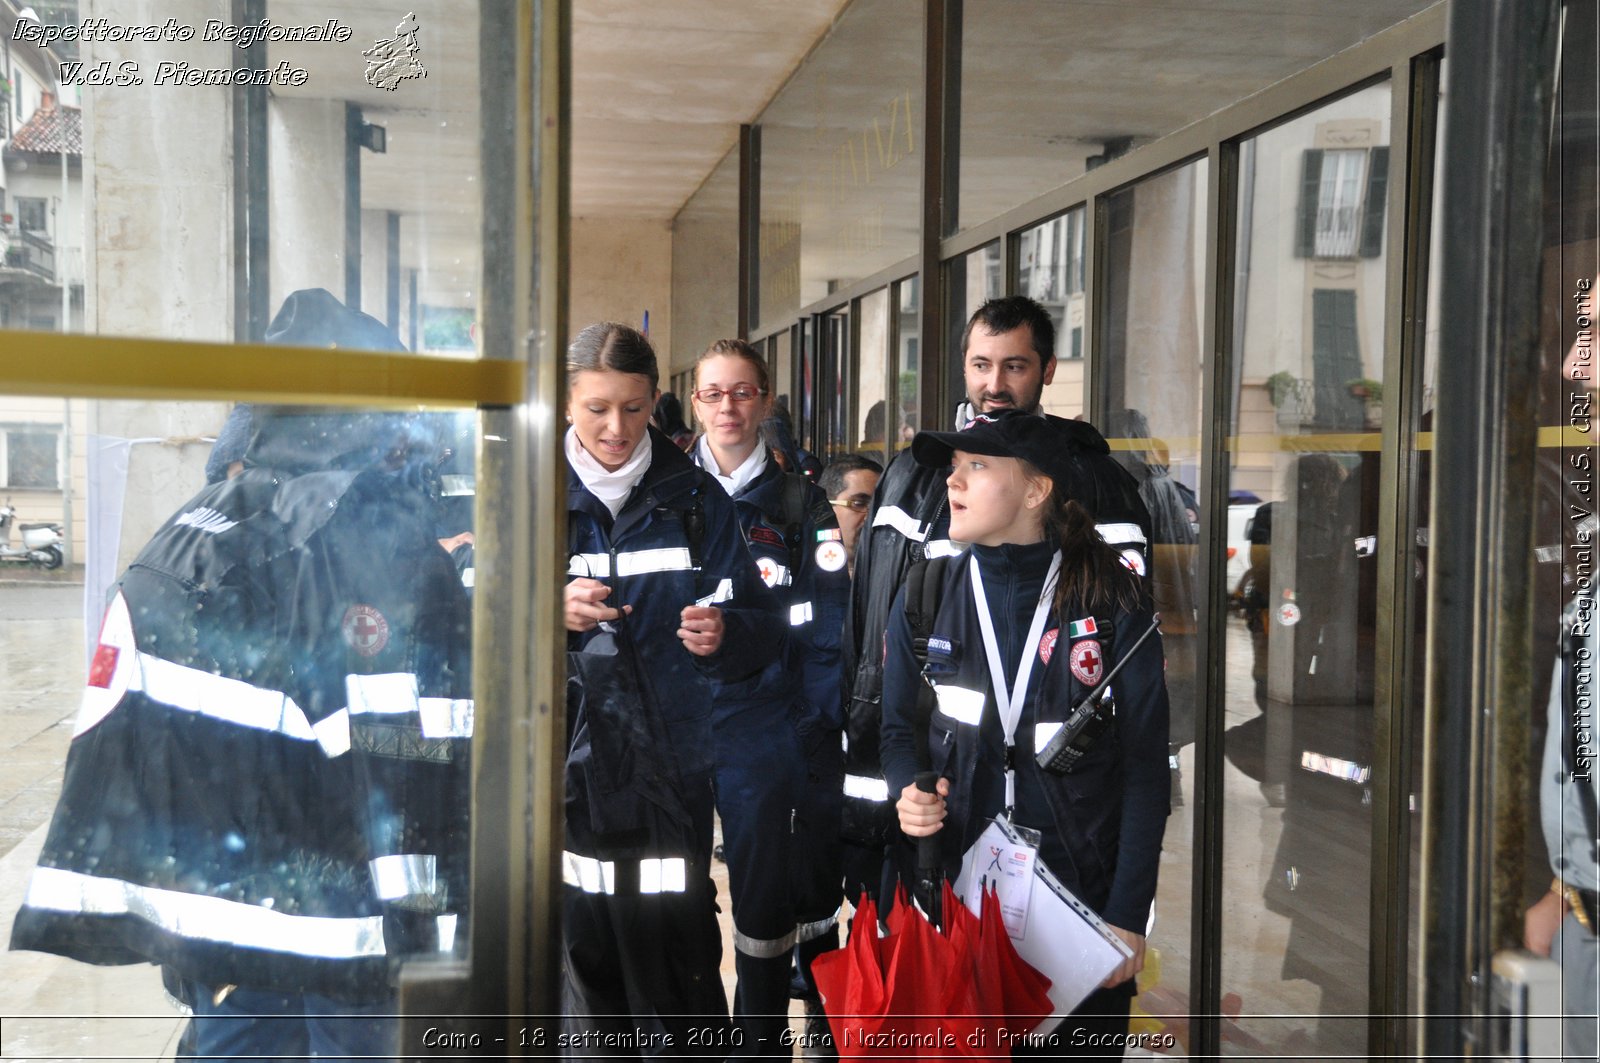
<point>1087,721</point>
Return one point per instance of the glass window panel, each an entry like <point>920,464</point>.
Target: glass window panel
<point>836,375</point>
<point>1153,381</point>
<point>378,562</point>
<point>1307,413</point>
<point>163,210</point>
<point>778,353</point>
<point>1052,88</point>
<point>872,376</point>
<point>841,159</point>
<point>1050,269</point>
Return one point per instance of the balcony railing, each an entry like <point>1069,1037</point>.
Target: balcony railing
<point>31,252</point>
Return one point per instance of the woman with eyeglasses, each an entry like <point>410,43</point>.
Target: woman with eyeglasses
<point>656,562</point>
<point>778,759</point>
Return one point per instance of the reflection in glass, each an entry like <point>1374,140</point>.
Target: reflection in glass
<point>1299,655</point>
<point>1050,269</point>
<point>841,158</point>
<point>1565,525</point>
<point>871,376</point>
<point>139,210</point>
<point>1052,89</point>
<point>907,299</point>
<point>1153,380</point>
<point>267,782</point>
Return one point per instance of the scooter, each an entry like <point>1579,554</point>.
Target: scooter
<point>41,543</point>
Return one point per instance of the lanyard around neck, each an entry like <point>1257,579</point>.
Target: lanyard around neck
<point>1009,702</point>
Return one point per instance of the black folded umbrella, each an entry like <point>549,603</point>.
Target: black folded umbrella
<point>620,756</point>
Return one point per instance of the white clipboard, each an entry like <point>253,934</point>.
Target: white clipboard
<point>1061,937</point>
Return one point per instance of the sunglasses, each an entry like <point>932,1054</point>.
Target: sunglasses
<point>855,502</point>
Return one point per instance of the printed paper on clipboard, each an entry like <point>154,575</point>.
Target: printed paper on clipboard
<point>1061,936</point>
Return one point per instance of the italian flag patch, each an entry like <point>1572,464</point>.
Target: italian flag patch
<point>1079,628</point>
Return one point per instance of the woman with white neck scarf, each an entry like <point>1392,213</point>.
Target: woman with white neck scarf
<point>655,555</point>
<point>778,758</point>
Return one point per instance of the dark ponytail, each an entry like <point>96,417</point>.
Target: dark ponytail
<point>1093,576</point>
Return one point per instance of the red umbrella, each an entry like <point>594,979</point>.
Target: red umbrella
<point>921,992</point>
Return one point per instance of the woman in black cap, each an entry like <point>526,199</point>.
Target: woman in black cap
<point>1039,598</point>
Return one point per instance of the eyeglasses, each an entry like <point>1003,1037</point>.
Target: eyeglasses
<point>738,393</point>
<point>858,503</point>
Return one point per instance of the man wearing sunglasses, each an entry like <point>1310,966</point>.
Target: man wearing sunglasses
<point>849,482</point>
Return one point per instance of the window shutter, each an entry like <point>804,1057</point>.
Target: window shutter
<point>1372,210</point>
<point>1305,230</point>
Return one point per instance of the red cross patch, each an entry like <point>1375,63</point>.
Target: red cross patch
<point>768,569</point>
<point>1085,661</point>
<point>365,630</point>
<point>1047,644</point>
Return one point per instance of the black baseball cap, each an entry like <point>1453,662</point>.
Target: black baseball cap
<point>1033,437</point>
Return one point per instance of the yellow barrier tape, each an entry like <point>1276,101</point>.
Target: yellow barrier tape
<point>1550,436</point>
<point>99,367</point>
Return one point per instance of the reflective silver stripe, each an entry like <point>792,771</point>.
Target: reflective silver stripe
<point>806,931</point>
<point>866,788</point>
<point>407,875</point>
<point>799,613</point>
<point>670,875</point>
<point>1121,533</point>
<point>631,562</point>
<point>333,733</point>
<point>469,576</point>
<point>447,931</point>
<point>1042,733</point>
<point>596,566</point>
<point>588,874</point>
<point>901,521</point>
<point>723,593</point>
<point>763,948</point>
<point>656,874</point>
<point>960,704</point>
<point>446,717</point>
<point>395,693</point>
<point>189,915</point>
<point>942,548</point>
<point>383,694</point>
<point>221,698</point>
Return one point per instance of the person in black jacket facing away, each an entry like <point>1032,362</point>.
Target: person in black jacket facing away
<point>659,570</point>
<point>267,788</point>
<point>1040,595</point>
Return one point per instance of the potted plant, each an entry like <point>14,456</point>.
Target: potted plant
<point>1366,389</point>
<point>1281,385</point>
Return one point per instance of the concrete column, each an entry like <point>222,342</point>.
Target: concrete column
<point>306,142</point>
<point>158,192</point>
<point>621,267</point>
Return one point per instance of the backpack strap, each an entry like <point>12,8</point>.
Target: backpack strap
<point>924,587</point>
<point>694,528</point>
<point>793,508</point>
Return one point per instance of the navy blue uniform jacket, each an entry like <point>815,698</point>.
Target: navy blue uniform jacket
<point>644,556</point>
<point>810,597</point>
<point>1103,823</point>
